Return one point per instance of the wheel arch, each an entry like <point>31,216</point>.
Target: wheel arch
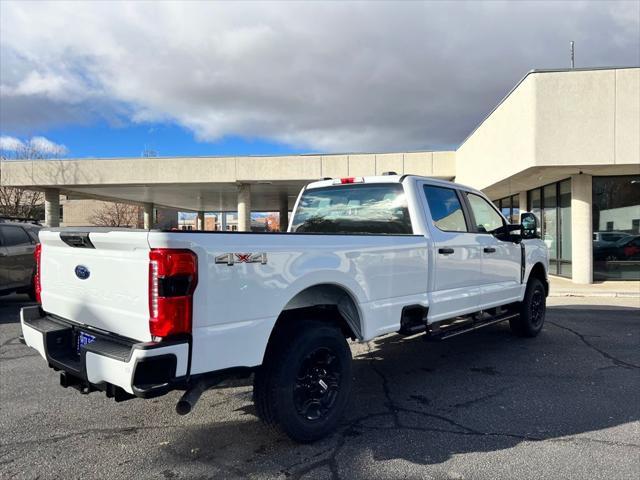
<point>328,302</point>
<point>538,271</point>
<point>327,298</point>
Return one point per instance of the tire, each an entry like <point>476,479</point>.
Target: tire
<point>304,384</point>
<point>532,311</point>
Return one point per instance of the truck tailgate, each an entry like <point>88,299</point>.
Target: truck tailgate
<point>103,284</point>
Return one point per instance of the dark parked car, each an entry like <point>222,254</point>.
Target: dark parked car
<point>17,265</point>
<point>627,248</point>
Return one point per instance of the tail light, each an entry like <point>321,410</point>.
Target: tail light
<point>173,275</point>
<point>37,286</point>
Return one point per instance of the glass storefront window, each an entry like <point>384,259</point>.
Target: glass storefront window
<point>505,207</point>
<point>616,228</point>
<point>535,207</point>
<point>551,204</point>
<point>549,224</point>
<point>564,213</point>
<point>510,208</point>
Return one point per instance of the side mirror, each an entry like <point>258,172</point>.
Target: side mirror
<point>529,224</point>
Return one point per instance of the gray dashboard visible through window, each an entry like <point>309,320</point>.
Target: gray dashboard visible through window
<point>486,217</point>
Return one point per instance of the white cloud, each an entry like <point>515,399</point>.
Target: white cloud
<point>37,146</point>
<point>44,145</point>
<point>328,76</point>
<point>10,144</point>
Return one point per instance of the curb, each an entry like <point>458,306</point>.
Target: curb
<point>595,294</point>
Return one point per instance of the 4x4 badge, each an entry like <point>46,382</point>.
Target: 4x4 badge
<point>233,258</point>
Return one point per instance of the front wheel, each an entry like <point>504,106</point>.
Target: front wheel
<point>532,311</point>
<point>304,383</point>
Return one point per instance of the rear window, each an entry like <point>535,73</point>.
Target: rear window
<point>33,233</point>
<point>362,208</point>
<point>14,236</point>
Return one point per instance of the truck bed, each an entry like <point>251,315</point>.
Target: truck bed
<point>245,280</point>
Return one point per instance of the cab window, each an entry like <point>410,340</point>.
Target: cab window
<point>446,209</point>
<point>486,217</point>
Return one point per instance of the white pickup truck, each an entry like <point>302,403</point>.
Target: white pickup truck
<point>141,313</point>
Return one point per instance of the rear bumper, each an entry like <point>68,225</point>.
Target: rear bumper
<point>117,366</point>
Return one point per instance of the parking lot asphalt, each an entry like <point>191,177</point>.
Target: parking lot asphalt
<point>486,405</point>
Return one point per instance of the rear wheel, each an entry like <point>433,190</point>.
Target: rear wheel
<point>304,383</point>
<point>532,310</point>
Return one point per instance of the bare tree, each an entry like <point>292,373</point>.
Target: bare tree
<point>20,202</point>
<point>116,215</point>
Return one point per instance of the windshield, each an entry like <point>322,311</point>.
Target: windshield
<point>624,240</point>
<point>362,208</point>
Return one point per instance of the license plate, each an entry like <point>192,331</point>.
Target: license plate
<point>83,339</point>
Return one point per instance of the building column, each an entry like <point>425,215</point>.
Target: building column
<point>522,201</point>
<point>581,229</point>
<point>148,216</point>
<point>284,212</point>
<point>52,207</point>
<point>223,221</point>
<point>244,207</point>
<point>200,221</point>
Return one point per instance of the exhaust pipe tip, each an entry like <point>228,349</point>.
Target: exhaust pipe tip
<point>183,407</point>
<point>192,395</point>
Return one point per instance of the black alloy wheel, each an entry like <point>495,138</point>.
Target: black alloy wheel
<point>317,384</point>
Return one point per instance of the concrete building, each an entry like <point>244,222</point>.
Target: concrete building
<point>564,144</point>
<point>74,212</point>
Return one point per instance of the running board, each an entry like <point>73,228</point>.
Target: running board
<point>442,332</point>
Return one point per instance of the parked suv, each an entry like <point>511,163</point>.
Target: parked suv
<point>18,240</point>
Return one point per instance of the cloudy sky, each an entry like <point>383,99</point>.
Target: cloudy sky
<point>111,79</point>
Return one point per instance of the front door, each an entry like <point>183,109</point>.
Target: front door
<point>456,281</point>
<point>501,258</point>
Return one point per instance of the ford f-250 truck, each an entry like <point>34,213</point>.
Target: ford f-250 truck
<point>141,313</point>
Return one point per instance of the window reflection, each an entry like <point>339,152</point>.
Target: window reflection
<point>616,227</point>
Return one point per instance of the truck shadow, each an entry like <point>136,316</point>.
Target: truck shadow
<point>425,402</point>
<point>10,306</point>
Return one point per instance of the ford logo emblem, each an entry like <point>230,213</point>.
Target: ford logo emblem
<point>82,272</point>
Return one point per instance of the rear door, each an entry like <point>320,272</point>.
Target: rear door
<point>18,262</point>
<point>501,258</point>
<point>98,278</point>
<point>456,281</point>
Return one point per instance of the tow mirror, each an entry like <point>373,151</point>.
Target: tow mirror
<point>504,232</point>
<point>529,225</point>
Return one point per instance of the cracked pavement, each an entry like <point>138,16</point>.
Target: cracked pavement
<point>486,405</point>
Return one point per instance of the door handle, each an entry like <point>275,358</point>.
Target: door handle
<point>445,251</point>
<point>489,250</point>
